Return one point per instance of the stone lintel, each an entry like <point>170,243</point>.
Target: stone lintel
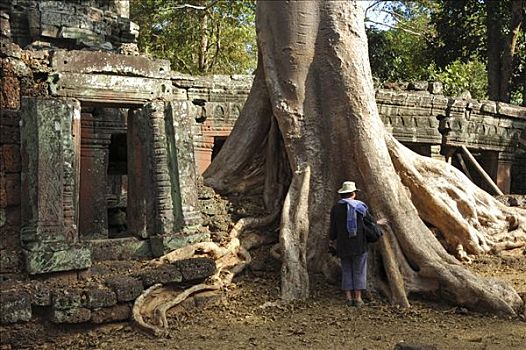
<point>111,63</point>
<point>45,261</point>
<point>511,110</point>
<point>110,90</point>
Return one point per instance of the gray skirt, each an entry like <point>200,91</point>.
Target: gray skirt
<point>354,272</point>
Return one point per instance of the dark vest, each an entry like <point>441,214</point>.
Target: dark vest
<point>346,246</point>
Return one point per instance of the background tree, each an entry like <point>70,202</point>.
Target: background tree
<point>398,45</point>
<point>450,40</point>
<point>199,36</point>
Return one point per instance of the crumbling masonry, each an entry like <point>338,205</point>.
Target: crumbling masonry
<point>100,150</point>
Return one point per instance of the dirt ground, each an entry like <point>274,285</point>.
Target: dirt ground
<point>247,317</point>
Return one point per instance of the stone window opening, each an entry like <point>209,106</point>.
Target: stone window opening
<point>117,190</point>
<point>219,141</point>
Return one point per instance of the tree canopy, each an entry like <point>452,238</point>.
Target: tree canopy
<point>466,44</point>
<point>199,36</point>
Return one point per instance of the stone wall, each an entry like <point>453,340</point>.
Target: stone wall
<point>60,112</point>
<point>16,80</point>
<point>417,114</point>
<point>216,102</point>
<point>104,294</point>
<point>99,24</point>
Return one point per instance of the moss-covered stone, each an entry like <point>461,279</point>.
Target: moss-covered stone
<point>15,306</point>
<point>38,262</point>
<point>74,315</point>
<point>161,245</point>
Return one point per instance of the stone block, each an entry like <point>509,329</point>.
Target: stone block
<point>125,288</point>
<point>105,62</point>
<point>109,88</point>
<point>10,261</point>
<point>12,218</point>
<point>15,306</point>
<point>50,17</point>
<point>10,93</point>
<point>120,249</point>
<point>9,190</point>
<point>42,261</point>
<point>74,315</point>
<point>418,86</point>
<point>5,28</point>
<point>68,298</point>
<point>510,110</point>
<point>163,274</point>
<point>121,312</point>
<point>205,192</point>
<point>79,34</point>
<point>209,207</point>
<point>9,118</point>
<point>49,31</point>
<point>9,234</point>
<point>40,294</point>
<point>11,67</point>
<point>97,297</point>
<point>435,87</point>
<point>161,245</point>
<point>10,158</point>
<point>196,269</point>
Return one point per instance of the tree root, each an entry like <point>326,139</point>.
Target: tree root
<point>151,307</point>
<point>470,220</point>
<point>446,199</point>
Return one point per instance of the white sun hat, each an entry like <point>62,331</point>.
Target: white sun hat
<point>347,187</point>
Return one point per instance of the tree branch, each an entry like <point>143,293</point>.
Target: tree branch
<point>196,7</point>
<point>397,27</point>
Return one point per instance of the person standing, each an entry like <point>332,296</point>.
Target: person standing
<point>347,229</point>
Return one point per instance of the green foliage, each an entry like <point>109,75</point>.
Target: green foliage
<point>459,77</point>
<point>199,36</point>
<point>444,40</point>
<point>460,31</point>
<point>401,52</point>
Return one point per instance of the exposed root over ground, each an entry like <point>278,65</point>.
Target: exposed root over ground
<point>150,309</point>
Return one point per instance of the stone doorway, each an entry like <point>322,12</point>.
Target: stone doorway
<point>103,172</point>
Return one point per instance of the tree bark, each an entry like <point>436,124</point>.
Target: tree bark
<point>314,83</point>
<point>517,12</point>
<point>203,44</point>
<point>493,30</point>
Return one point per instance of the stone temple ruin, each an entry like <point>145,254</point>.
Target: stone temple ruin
<point>101,149</point>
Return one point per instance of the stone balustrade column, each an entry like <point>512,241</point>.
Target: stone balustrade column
<point>435,153</point>
<point>504,164</point>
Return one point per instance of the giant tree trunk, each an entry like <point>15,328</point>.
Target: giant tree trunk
<point>311,122</point>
